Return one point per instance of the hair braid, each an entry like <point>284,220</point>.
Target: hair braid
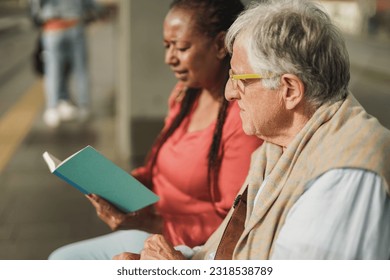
<point>215,156</point>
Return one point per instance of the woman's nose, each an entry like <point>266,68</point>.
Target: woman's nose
<point>170,56</point>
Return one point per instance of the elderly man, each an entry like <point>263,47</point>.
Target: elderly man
<point>319,186</point>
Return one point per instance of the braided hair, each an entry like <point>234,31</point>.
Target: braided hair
<point>211,17</point>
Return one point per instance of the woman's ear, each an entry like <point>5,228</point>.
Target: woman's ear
<point>219,42</point>
<point>293,90</point>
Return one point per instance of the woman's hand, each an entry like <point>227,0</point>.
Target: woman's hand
<point>144,219</point>
<point>107,212</point>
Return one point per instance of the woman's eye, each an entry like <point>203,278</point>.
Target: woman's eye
<point>176,47</point>
<point>182,49</point>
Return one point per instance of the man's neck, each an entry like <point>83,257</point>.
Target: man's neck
<point>284,137</point>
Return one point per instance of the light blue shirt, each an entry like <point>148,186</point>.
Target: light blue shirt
<point>343,214</point>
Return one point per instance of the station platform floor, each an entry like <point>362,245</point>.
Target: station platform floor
<point>38,211</point>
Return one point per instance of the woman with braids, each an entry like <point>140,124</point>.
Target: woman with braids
<point>201,158</point>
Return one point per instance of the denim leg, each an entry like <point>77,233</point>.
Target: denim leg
<point>54,59</point>
<point>80,65</point>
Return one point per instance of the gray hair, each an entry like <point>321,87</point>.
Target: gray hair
<point>296,37</point>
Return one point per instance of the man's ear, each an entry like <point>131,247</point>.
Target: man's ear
<point>293,90</point>
<point>219,43</point>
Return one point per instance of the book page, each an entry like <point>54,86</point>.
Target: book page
<point>51,161</point>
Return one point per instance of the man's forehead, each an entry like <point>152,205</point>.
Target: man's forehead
<point>239,56</point>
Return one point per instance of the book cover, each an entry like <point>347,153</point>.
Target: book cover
<point>91,172</point>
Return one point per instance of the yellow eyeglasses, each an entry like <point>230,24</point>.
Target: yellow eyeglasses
<point>234,78</point>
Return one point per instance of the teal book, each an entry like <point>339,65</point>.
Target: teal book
<point>90,172</point>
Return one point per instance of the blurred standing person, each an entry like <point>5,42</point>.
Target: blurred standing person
<point>65,53</point>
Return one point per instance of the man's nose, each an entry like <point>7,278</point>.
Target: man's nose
<point>231,93</point>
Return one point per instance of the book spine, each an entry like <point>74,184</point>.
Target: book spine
<point>70,182</point>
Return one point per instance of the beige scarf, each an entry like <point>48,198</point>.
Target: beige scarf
<point>340,135</point>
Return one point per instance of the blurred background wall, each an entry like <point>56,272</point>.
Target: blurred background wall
<point>151,80</point>
<point>143,82</point>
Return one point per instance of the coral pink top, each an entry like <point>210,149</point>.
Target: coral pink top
<point>180,175</point>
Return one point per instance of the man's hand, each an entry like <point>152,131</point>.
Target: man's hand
<point>127,256</point>
<point>157,247</point>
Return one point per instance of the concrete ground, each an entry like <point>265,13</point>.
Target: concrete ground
<point>38,211</point>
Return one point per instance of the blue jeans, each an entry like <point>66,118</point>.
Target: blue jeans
<point>65,53</point>
<point>104,247</point>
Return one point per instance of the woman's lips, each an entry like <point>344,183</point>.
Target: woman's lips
<point>180,74</point>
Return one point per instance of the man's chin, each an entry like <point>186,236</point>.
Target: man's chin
<point>248,131</point>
